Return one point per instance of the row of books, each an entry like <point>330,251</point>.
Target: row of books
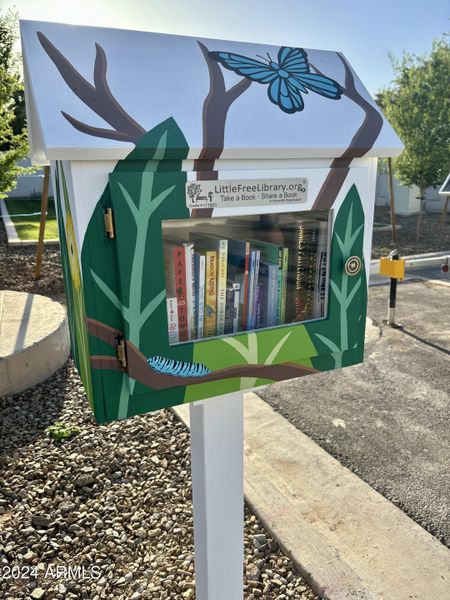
<point>218,285</point>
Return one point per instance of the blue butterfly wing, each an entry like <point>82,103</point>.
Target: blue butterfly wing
<point>318,83</point>
<point>293,60</point>
<point>247,67</point>
<point>282,93</point>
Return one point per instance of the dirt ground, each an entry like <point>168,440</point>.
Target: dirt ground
<point>17,268</point>
<point>407,244</point>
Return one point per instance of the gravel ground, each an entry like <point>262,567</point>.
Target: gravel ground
<point>108,513</point>
<point>17,266</point>
<point>407,244</point>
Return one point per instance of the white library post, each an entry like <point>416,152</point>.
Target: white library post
<point>217,455</point>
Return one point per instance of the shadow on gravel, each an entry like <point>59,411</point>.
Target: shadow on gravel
<point>24,417</point>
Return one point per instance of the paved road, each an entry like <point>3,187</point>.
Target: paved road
<point>388,419</point>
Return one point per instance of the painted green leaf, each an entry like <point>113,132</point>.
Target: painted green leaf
<point>124,278</point>
<point>339,339</point>
<point>273,346</point>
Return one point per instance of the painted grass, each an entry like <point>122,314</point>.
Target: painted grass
<point>28,227</point>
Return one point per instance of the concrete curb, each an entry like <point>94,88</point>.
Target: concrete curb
<point>348,541</point>
<point>33,243</point>
<point>432,281</point>
<point>34,340</point>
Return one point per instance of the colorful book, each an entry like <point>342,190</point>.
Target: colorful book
<point>255,284</point>
<point>232,308</point>
<point>320,291</point>
<point>238,272</point>
<point>210,319</point>
<point>261,301</point>
<point>284,275</point>
<point>273,254</point>
<point>268,295</point>
<point>251,279</point>
<point>220,245</point>
<point>237,307</point>
<point>175,272</point>
<point>190,289</point>
<point>172,319</point>
<point>251,319</point>
<point>199,279</point>
<point>302,270</point>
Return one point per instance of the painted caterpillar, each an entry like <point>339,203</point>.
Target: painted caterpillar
<point>178,368</point>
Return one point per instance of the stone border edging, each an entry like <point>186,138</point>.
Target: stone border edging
<point>347,540</point>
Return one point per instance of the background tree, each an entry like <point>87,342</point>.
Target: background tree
<point>13,140</point>
<point>418,105</point>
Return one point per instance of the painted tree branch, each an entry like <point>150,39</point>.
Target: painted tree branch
<point>215,110</point>
<point>361,143</point>
<point>98,96</point>
<point>96,131</point>
<point>139,370</point>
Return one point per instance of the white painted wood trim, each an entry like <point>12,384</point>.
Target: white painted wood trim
<point>217,451</point>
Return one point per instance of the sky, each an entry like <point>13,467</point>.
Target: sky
<point>366,32</point>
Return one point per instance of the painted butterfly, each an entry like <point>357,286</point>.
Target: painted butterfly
<point>287,78</point>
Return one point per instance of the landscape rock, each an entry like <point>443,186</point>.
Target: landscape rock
<point>40,521</point>
<point>117,496</point>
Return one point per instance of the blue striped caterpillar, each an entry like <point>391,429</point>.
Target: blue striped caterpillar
<point>177,368</point>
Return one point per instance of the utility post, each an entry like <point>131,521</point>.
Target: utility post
<point>393,267</point>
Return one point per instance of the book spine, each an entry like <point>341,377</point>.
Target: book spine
<point>255,287</point>
<point>222,286</point>
<point>307,237</point>
<point>190,289</point>
<point>172,320</point>
<point>246,287</point>
<point>262,304</point>
<point>272,295</point>
<point>209,329</point>
<point>320,291</point>
<point>197,289</point>
<point>257,315</point>
<point>239,280</point>
<point>237,293</point>
<point>285,264</point>
<point>280,284</point>
<point>201,296</point>
<point>229,310</point>
<point>251,275</point>
<point>179,261</point>
<point>258,312</point>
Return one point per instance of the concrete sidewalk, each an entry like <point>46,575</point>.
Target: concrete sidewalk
<point>348,541</point>
<point>388,419</point>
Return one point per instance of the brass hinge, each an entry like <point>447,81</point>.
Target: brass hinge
<point>109,223</point>
<point>121,352</point>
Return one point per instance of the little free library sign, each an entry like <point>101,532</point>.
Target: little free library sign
<point>204,249</point>
<point>250,192</point>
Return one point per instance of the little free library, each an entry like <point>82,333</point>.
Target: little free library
<point>215,206</point>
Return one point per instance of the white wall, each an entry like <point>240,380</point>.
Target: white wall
<point>405,197</point>
<point>29,185</point>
